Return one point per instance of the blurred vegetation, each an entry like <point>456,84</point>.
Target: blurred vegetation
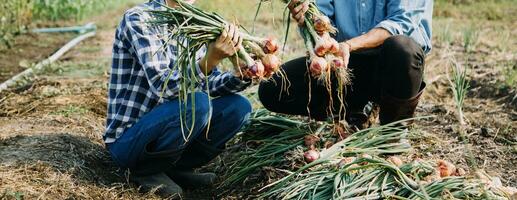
<point>14,16</point>
<point>17,15</point>
<point>504,10</point>
<point>70,9</point>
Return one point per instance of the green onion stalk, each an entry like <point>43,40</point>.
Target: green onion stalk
<point>276,150</point>
<point>198,28</point>
<point>376,178</point>
<point>265,148</point>
<point>192,29</point>
<point>325,61</point>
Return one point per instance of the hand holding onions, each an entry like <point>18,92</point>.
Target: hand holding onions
<point>253,57</point>
<point>326,55</point>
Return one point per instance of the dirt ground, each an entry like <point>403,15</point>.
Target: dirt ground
<point>50,129</point>
<point>28,49</point>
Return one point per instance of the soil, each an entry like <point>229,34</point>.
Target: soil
<point>27,50</point>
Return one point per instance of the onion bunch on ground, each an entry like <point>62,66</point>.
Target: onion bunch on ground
<point>194,29</point>
<point>376,178</point>
<point>365,165</point>
<point>292,139</point>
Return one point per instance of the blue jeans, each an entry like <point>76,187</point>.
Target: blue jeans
<point>156,142</point>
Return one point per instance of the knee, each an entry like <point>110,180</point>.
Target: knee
<point>405,49</point>
<point>404,55</point>
<point>199,103</point>
<point>239,107</point>
<point>266,94</point>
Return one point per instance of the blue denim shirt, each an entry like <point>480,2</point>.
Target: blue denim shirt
<point>399,17</point>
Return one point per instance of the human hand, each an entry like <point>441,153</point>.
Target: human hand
<point>298,10</point>
<point>344,52</point>
<point>223,47</point>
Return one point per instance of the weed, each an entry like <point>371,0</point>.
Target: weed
<point>510,73</point>
<point>70,110</point>
<point>459,85</point>
<point>470,38</point>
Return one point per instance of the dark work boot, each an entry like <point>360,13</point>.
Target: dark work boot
<point>363,117</point>
<point>196,155</point>
<point>393,109</point>
<point>160,183</point>
<point>191,179</point>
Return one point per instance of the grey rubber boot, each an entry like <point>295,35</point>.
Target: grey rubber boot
<point>159,183</point>
<point>194,156</point>
<point>191,179</point>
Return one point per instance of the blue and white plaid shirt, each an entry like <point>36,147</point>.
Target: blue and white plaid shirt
<point>140,68</point>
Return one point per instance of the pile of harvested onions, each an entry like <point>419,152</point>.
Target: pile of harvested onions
<point>365,165</point>
<point>195,29</point>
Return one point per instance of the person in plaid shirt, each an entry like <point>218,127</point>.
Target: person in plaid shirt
<point>143,130</point>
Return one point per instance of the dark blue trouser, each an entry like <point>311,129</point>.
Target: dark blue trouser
<point>156,142</point>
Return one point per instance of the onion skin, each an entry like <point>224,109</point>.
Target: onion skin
<point>328,144</point>
<point>318,64</point>
<point>322,24</point>
<point>322,47</point>
<point>271,64</point>
<point>334,46</point>
<point>445,168</point>
<point>270,46</point>
<point>257,70</point>
<point>311,140</point>
<point>337,63</point>
<point>460,172</point>
<point>395,160</point>
<point>346,161</point>
<point>311,156</point>
<point>340,130</point>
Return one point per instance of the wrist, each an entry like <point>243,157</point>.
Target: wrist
<point>349,45</point>
<point>207,63</point>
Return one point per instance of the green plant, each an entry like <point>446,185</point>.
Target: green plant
<point>444,34</point>
<point>70,9</point>
<point>14,17</point>
<point>470,38</point>
<point>458,81</point>
<point>70,110</point>
<point>510,73</point>
<point>287,146</point>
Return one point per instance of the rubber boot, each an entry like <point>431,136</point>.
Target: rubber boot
<point>394,109</point>
<point>159,183</point>
<point>192,179</point>
<point>363,117</point>
<point>195,155</point>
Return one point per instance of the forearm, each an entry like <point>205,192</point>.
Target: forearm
<point>372,39</point>
<point>208,63</point>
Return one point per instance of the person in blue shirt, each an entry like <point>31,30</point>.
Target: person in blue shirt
<point>384,43</point>
<point>144,128</point>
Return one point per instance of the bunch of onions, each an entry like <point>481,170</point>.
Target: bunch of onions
<point>323,49</point>
<point>195,29</point>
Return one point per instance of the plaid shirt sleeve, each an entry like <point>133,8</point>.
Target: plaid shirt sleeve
<point>221,84</point>
<point>157,62</point>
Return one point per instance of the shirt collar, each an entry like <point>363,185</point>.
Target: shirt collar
<point>157,4</point>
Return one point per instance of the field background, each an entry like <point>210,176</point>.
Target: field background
<point>51,125</point>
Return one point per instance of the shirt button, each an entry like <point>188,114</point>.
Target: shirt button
<point>363,4</point>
